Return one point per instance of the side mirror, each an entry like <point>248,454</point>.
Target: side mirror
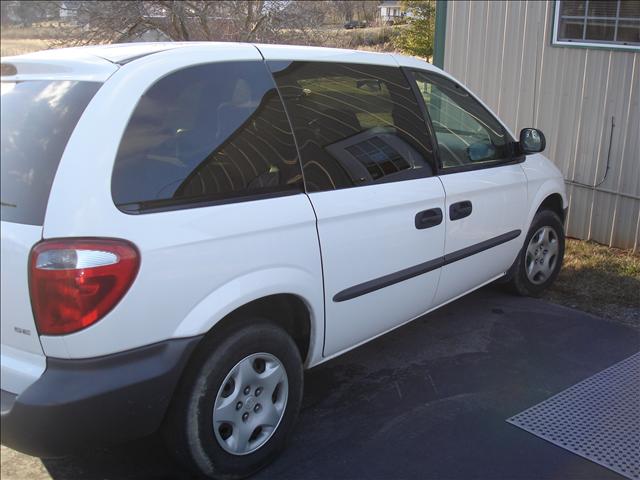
<point>532,140</point>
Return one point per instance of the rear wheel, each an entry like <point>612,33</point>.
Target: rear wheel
<point>250,403</point>
<point>540,259</point>
<point>236,409</point>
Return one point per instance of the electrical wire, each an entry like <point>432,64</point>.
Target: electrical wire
<point>606,172</point>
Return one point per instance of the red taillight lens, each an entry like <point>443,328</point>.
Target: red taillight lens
<point>76,282</point>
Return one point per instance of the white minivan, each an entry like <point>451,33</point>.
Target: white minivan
<point>186,227</point>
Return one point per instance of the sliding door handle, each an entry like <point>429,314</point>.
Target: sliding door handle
<point>428,218</point>
<point>460,210</point>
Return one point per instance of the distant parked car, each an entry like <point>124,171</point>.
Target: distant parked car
<point>186,227</point>
<point>350,25</point>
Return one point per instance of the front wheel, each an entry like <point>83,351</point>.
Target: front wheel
<point>235,411</point>
<point>540,259</point>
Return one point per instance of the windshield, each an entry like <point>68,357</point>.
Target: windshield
<point>37,119</point>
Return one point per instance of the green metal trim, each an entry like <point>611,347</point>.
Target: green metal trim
<point>556,44</point>
<point>440,33</point>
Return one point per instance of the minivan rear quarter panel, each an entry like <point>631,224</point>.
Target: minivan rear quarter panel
<point>213,259</point>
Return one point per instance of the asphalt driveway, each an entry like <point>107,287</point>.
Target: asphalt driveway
<point>426,401</point>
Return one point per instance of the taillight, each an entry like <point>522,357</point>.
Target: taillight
<point>76,282</point>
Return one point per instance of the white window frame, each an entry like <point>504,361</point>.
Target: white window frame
<point>588,44</point>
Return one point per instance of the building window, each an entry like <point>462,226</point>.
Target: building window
<point>609,23</point>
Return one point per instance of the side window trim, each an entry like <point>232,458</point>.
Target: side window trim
<point>268,64</point>
<point>437,164</point>
<point>514,157</point>
<point>158,206</point>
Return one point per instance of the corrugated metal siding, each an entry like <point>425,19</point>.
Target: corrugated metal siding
<point>502,51</point>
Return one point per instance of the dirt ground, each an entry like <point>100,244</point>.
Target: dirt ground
<point>16,466</point>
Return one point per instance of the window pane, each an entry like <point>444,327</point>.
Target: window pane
<point>38,117</point>
<point>629,32</point>
<point>355,124</point>
<point>572,8</point>
<point>630,9</point>
<point>466,133</point>
<point>602,8</point>
<point>600,29</point>
<point>571,29</point>
<point>599,22</point>
<point>209,132</point>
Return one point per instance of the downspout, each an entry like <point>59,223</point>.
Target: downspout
<point>440,33</point>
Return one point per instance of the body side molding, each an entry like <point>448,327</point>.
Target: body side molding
<point>407,273</point>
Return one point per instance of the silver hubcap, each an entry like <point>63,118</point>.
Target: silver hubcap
<point>542,255</point>
<point>250,403</point>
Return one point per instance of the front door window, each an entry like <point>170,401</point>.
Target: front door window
<point>467,134</point>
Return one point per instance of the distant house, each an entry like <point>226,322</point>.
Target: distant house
<point>391,11</point>
<point>68,11</point>
<point>154,11</point>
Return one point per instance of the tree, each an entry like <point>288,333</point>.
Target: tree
<point>234,20</point>
<point>417,37</point>
<point>347,10</point>
<point>25,13</point>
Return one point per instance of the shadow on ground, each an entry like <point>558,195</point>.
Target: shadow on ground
<point>428,400</point>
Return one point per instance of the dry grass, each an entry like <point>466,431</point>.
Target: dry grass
<point>379,39</point>
<point>39,31</point>
<point>600,280</point>
<point>19,40</point>
<point>373,38</point>
<point>19,46</point>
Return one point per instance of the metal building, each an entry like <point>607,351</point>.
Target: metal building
<point>572,69</point>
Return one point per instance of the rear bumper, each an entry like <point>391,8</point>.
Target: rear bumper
<point>91,402</point>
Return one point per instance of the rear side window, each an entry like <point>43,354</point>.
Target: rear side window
<point>208,133</point>
<point>37,120</point>
<point>355,124</point>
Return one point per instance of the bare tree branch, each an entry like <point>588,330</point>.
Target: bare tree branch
<point>269,21</point>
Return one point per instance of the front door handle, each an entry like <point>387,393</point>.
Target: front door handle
<point>460,210</point>
<point>428,218</point>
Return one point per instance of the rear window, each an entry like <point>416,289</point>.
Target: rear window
<point>37,120</point>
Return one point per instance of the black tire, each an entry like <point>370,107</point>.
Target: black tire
<point>519,282</point>
<point>189,430</point>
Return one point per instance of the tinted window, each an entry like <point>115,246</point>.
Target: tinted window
<point>355,124</point>
<point>37,120</point>
<point>466,132</point>
<point>206,133</point>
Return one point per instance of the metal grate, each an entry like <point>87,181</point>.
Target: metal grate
<point>598,418</point>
